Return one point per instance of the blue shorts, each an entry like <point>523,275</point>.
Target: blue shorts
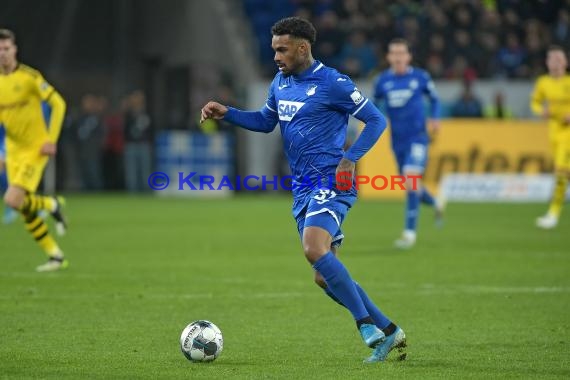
<point>326,208</point>
<point>412,157</point>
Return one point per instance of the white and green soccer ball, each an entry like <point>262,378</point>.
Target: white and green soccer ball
<point>201,341</point>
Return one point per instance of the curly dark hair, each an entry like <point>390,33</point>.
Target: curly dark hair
<point>296,27</point>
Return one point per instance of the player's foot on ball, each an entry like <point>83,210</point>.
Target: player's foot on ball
<point>10,215</point>
<point>371,334</point>
<point>395,341</point>
<point>406,241</point>
<point>53,264</point>
<point>440,204</point>
<point>57,214</point>
<point>547,221</point>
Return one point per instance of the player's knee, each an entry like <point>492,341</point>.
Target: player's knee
<point>13,199</point>
<point>413,182</point>
<point>320,281</point>
<point>313,251</point>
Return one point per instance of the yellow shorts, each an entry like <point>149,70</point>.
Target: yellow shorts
<point>26,171</point>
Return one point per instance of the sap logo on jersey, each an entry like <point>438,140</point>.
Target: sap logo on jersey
<point>287,109</point>
<point>399,98</point>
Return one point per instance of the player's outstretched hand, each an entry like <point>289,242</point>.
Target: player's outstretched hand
<point>345,171</point>
<point>213,110</point>
<point>49,149</point>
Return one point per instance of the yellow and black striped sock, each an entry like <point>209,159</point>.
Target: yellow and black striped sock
<point>39,230</point>
<point>34,203</point>
<point>559,196</point>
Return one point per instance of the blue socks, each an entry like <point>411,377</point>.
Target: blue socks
<point>380,320</point>
<point>426,197</point>
<point>340,284</point>
<point>412,210</point>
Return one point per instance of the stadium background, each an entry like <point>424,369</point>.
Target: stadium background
<point>486,296</point>
<point>483,55</point>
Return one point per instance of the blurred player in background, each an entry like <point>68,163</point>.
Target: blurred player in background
<point>29,145</point>
<point>403,87</point>
<point>551,100</point>
<point>312,104</point>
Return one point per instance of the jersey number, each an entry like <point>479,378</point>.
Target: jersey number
<point>324,195</point>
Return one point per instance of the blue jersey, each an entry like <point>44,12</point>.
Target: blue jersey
<point>403,96</point>
<point>313,110</point>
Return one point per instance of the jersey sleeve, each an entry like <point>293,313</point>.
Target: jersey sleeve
<point>344,96</point>
<point>430,91</point>
<point>270,103</point>
<point>44,89</point>
<point>263,120</point>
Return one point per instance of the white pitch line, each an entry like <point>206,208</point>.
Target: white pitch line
<point>252,295</point>
<point>423,290</point>
<point>430,289</point>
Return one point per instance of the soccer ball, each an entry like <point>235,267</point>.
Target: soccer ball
<point>201,341</point>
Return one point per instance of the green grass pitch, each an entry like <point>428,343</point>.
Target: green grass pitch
<point>487,296</point>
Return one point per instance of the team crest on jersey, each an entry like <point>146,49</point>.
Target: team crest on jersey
<point>311,90</point>
<point>287,109</point>
<point>413,84</point>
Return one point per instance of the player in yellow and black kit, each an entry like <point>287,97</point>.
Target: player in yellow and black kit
<point>551,100</point>
<point>29,144</point>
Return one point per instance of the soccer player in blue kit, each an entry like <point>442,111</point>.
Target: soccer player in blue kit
<point>403,88</point>
<point>312,103</point>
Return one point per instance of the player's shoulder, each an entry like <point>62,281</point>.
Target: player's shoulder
<point>419,72</point>
<point>384,75</point>
<point>277,78</point>
<point>29,71</point>
<point>543,79</point>
<point>335,77</point>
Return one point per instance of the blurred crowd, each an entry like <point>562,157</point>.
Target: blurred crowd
<point>452,39</point>
<point>104,148</point>
<point>107,145</point>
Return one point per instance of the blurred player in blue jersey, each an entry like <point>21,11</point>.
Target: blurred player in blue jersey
<point>9,213</point>
<point>312,103</point>
<point>403,87</point>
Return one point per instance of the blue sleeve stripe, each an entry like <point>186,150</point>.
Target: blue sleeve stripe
<point>359,108</point>
<point>271,109</point>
